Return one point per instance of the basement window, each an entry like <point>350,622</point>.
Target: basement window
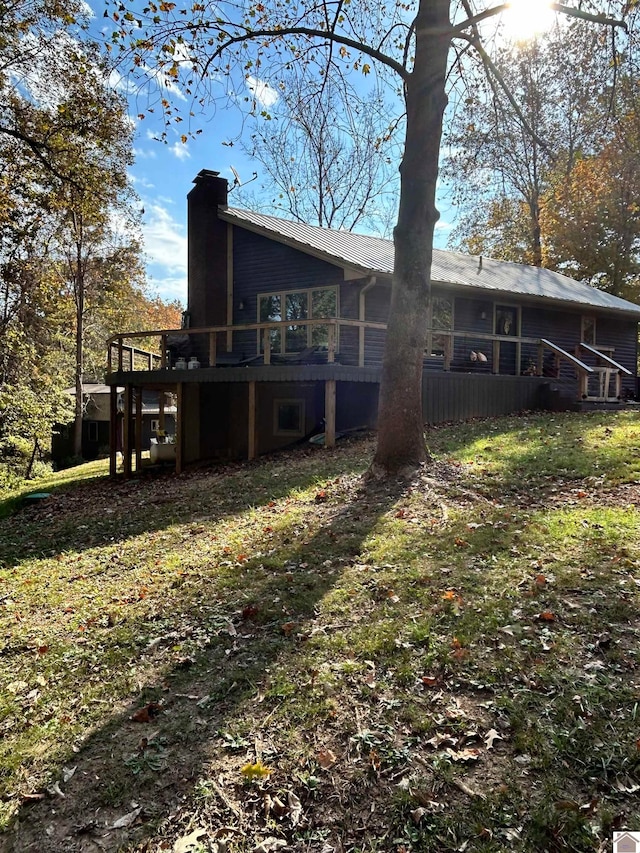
<point>288,418</point>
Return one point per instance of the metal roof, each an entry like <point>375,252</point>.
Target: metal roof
<point>375,256</point>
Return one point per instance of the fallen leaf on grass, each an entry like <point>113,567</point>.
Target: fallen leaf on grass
<point>326,758</point>
<point>67,773</point>
<point>295,808</point>
<point>145,715</point>
<point>126,820</point>
<point>463,754</point>
<point>188,842</point>
<point>491,736</point>
<point>546,616</point>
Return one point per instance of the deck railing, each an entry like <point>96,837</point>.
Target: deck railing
<point>118,346</point>
<point>125,356</point>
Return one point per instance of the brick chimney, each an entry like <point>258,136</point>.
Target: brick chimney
<point>207,250</point>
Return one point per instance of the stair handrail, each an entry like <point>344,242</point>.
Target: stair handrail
<point>607,359</point>
<point>564,354</point>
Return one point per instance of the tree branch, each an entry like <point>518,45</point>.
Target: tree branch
<point>493,72</point>
<point>37,148</point>
<point>368,50</point>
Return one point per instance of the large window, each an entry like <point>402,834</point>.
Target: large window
<point>440,320</point>
<point>295,305</point>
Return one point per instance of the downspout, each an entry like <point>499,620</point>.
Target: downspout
<point>362,304</point>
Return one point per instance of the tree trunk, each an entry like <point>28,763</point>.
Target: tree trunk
<point>79,294</point>
<point>401,444</point>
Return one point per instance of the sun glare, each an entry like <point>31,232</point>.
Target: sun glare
<point>526,18</point>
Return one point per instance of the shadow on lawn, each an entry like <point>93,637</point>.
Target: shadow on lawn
<point>236,677</point>
<point>103,512</point>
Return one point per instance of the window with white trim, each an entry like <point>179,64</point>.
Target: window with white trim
<point>295,305</point>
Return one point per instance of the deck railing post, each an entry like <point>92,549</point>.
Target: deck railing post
<point>267,346</point>
<point>213,342</point>
<point>495,366</point>
<point>331,345</point>
<point>163,351</point>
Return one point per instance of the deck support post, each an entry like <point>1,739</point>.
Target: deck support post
<point>251,424</point>
<point>126,431</point>
<point>179,426</point>
<point>138,430</point>
<point>330,413</point>
<point>113,431</point>
<point>161,417</point>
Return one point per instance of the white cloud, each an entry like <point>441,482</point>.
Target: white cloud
<point>141,182</point>
<point>145,153</point>
<point>180,150</point>
<point>264,94</point>
<point>165,245</point>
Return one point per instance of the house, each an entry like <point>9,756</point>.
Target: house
<point>285,330</point>
<point>625,842</point>
<point>96,418</point>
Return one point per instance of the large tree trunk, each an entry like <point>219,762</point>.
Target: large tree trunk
<point>79,365</point>
<point>401,444</point>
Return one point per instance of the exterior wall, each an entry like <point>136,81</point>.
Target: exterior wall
<point>261,265</point>
<point>460,396</point>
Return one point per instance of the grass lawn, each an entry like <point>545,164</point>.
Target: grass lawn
<point>280,655</point>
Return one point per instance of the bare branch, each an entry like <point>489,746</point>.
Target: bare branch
<point>588,16</point>
<point>494,72</point>
<point>313,33</point>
